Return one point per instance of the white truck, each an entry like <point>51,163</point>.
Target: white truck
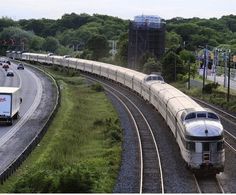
<point>9,104</point>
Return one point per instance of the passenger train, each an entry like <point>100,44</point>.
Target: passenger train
<point>197,130</point>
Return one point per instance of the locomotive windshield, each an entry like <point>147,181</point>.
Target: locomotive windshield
<point>212,116</point>
<point>194,115</point>
<point>153,77</point>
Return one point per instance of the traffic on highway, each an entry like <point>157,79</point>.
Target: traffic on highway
<point>24,95</point>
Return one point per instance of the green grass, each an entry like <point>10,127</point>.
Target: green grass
<point>81,150</point>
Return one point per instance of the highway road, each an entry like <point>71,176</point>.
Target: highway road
<point>31,92</point>
<point>39,95</point>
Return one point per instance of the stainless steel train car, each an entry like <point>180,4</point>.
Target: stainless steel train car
<point>198,131</point>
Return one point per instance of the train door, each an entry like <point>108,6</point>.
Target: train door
<point>206,152</point>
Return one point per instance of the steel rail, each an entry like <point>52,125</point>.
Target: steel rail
<point>150,129</point>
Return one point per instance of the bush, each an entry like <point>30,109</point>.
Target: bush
<point>39,181</point>
<point>68,180</point>
<point>55,67</point>
<point>75,179</point>
<point>98,122</point>
<point>113,131</point>
<point>208,88</point>
<point>97,87</point>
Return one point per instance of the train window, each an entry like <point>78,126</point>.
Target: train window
<point>205,146</point>
<point>154,78</point>
<point>212,116</point>
<point>148,78</point>
<point>220,146</point>
<point>190,116</point>
<point>201,115</point>
<point>157,78</point>
<point>190,146</point>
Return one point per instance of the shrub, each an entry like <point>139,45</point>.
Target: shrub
<point>70,179</point>
<point>98,122</point>
<point>75,179</point>
<point>56,68</point>
<point>97,87</point>
<point>113,131</point>
<point>39,181</point>
<point>208,88</point>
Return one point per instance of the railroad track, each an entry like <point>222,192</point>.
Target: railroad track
<point>209,184</point>
<point>229,123</point>
<point>227,116</point>
<point>150,176</point>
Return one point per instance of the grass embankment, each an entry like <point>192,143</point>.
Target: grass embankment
<point>82,148</point>
<point>217,97</point>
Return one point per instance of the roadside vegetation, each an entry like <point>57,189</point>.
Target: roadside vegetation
<point>82,148</point>
<point>214,93</point>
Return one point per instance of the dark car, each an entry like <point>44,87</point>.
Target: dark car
<point>10,73</point>
<point>20,66</point>
<point>5,66</point>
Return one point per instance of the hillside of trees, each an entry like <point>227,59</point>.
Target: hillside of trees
<point>71,33</point>
<point>88,37</point>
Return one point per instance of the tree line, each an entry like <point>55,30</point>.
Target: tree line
<point>87,36</point>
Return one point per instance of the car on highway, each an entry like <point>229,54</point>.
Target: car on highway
<point>20,66</point>
<point>5,66</point>
<point>10,73</point>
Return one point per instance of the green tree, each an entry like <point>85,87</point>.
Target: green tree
<point>172,66</point>
<point>73,20</point>
<point>51,44</point>
<point>173,40</point>
<point>99,47</point>
<point>189,59</point>
<point>186,30</point>
<point>122,47</point>
<point>144,58</point>
<point>36,43</point>
<point>186,55</point>
<point>62,50</point>
<point>6,22</point>
<point>230,22</point>
<point>152,66</point>
<point>21,38</point>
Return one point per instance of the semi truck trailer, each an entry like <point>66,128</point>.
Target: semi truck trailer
<point>10,101</point>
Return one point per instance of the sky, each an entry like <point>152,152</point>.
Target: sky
<point>125,9</point>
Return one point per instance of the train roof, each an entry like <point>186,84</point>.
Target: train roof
<point>55,56</point>
<point>176,100</point>
<point>34,54</point>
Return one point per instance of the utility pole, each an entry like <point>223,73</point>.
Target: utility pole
<point>175,67</point>
<point>189,73</point>
<point>215,62</point>
<point>228,76</point>
<point>204,69</point>
<point>225,68</point>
